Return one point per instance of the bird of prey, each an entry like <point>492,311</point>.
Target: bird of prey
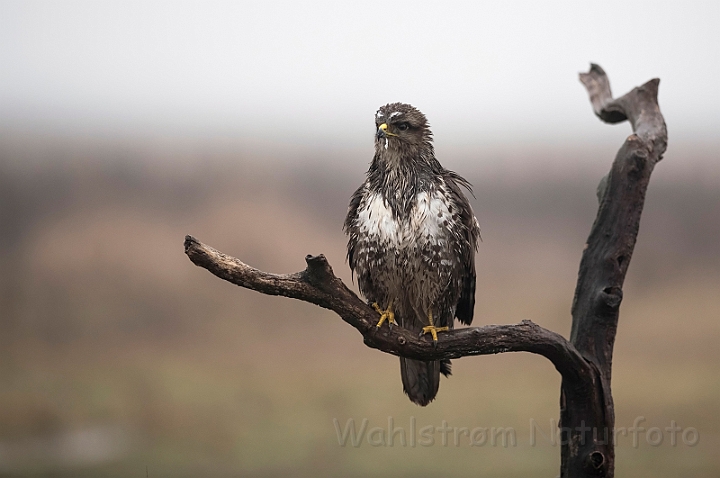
<point>412,240</point>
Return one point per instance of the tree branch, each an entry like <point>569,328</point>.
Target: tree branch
<point>317,284</point>
<point>604,263</point>
<point>612,238</point>
<point>587,414</point>
<point>639,106</point>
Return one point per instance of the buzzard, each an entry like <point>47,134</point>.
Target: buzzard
<point>412,240</point>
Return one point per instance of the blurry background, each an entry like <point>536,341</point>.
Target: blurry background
<point>125,126</point>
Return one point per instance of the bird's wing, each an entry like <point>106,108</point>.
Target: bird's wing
<point>469,235</point>
<point>351,226</point>
<point>466,305</point>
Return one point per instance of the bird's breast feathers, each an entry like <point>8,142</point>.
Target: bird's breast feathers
<point>427,222</point>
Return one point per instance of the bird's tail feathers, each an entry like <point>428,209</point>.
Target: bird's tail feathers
<point>421,379</point>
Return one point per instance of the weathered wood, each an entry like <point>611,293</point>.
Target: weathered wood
<point>317,284</point>
<point>585,362</point>
<point>587,421</point>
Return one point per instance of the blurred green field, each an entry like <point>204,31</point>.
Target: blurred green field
<point>121,358</point>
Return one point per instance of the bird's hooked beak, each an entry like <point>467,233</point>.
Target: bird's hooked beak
<point>383,132</point>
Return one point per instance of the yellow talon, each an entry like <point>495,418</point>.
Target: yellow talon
<point>386,314</point>
<point>431,329</point>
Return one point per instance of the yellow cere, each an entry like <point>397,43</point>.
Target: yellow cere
<point>384,127</point>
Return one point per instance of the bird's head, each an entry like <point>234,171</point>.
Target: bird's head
<point>402,129</point>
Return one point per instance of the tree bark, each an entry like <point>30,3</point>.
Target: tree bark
<point>588,421</point>
<point>585,361</point>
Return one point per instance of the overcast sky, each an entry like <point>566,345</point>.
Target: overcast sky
<point>483,72</point>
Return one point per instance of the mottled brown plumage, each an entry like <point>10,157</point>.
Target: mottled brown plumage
<point>412,238</point>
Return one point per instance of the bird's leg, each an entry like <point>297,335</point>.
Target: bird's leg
<point>386,314</point>
<point>431,329</point>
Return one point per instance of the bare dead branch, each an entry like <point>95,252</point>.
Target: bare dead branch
<point>639,106</point>
<point>587,415</point>
<point>612,238</point>
<point>604,263</point>
<point>317,284</point>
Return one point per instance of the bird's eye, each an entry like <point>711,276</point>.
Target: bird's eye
<point>403,126</point>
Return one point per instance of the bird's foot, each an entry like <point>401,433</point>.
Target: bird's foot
<point>432,330</point>
<point>386,314</point>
